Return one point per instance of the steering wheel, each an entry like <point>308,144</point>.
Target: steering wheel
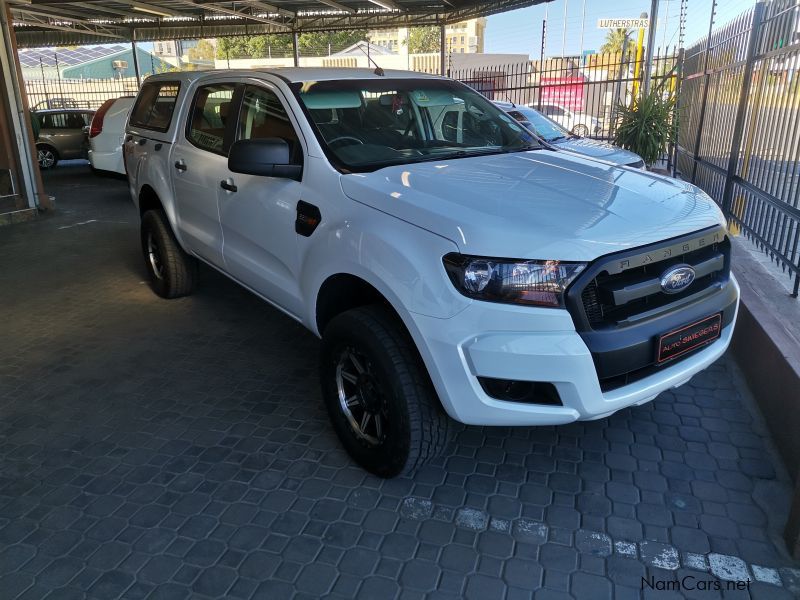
<point>344,138</point>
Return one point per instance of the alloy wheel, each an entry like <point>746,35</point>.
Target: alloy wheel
<point>154,256</point>
<point>46,158</point>
<point>361,396</point>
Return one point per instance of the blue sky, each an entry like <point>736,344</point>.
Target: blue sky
<point>520,31</point>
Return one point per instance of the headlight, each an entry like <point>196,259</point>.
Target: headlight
<point>536,282</point>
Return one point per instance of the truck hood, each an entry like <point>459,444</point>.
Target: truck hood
<point>599,150</point>
<point>536,205</point>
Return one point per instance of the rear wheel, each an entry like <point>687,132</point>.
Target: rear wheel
<point>378,394</point>
<point>581,130</point>
<point>172,271</point>
<point>47,156</point>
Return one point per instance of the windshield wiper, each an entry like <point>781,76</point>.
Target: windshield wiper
<point>557,138</point>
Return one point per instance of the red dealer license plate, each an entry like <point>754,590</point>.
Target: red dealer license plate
<point>690,337</point>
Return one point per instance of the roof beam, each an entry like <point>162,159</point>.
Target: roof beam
<point>153,9</point>
<point>387,4</point>
<point>234,13</point>
<point>112,11</point>
<point>269,8</point>
<point>52,15</point>
<point>80,30</point>
<point>337,6</point>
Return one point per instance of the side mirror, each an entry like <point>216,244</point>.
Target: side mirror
<point>268,157</point>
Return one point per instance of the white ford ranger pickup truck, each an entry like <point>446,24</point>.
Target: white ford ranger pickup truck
<point>453,264</point>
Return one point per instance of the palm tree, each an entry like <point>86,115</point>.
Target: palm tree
<point>615,39</point>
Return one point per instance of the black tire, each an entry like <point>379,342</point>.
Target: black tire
<point>46,156</point>
<point>581,130</point>
<point>172,271</point>
<point>415,427</point>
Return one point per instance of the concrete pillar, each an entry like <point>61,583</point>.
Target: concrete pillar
<point>16,135</point>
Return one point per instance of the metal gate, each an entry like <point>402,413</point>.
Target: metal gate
<point>739,133</point>
<point>574,91</point>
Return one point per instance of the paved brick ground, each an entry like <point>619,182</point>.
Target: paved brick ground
<point>179,449</point>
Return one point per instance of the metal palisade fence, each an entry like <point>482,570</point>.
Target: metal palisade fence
<point>582,93</point>
<point>739,126</point>
<point>77,93</point>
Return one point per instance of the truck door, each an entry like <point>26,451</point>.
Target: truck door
<point>258,213</point>
<point>199,161</point>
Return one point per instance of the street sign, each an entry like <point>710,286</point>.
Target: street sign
<point>623,23</point>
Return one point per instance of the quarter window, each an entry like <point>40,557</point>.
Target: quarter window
<point>208,118</point>
<point>155,105</point>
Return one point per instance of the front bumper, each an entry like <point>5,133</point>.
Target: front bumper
<point>536,344</point>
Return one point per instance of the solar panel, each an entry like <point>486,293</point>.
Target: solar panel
<point>66,57</point>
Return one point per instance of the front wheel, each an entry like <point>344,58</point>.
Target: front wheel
<point>172,271</point>
<point>378,394</point>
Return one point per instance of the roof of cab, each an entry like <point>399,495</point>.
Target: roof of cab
<point>296,74</point>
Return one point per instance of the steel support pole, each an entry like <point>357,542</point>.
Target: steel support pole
<point>706,78</point>
<point>651,45</point>
<point>136,61</point>
<point>741,110</point>
<point>295,49</point>
<point>541,63</point>
<point>637,67</point>
<point>442,41</point>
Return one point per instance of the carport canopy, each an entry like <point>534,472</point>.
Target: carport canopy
<point>74,22</point>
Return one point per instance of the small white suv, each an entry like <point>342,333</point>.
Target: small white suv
<point>451,264</point>
<point>107,133</point>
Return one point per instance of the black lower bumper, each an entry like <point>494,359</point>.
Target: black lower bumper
<point>622,355</point>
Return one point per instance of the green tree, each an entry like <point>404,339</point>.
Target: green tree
<point>423,39</point>
<point>264,46</point>
<point>319,42</point>
<point>203,51</point>
<point>615,39</point>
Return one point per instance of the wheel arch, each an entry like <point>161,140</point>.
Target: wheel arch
<point>149,199</point>
<point>341,292</point>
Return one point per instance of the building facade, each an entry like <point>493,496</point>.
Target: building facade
<point>466,37</point>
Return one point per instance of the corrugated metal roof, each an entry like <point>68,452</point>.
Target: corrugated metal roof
<point>73,22</point>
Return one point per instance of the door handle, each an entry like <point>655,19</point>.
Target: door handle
<point>180,165</point>
<point>227,185</point>
<point>142,141</point>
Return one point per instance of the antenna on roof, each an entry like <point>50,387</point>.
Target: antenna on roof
<point>510,101</point>
<point>378,71</point>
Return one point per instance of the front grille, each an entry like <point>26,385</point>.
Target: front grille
<point>618,299</point>
<point>620,310</point>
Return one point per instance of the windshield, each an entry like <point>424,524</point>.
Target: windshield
<point>367,124</point>
<point>545,127</point>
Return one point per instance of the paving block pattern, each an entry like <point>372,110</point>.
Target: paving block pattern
<point>179,449</point>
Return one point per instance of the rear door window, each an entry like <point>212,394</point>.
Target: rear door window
<point>209,118</point>
<point>155,105</point>
<point>54,121</point>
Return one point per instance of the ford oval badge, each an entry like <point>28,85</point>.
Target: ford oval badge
<point>677,278</point>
